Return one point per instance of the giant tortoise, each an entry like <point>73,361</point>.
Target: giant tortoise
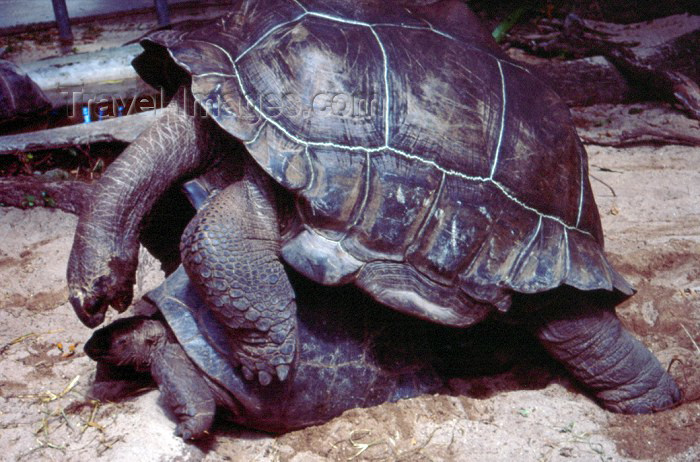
<point>20,96</point>
<point>387,146</point>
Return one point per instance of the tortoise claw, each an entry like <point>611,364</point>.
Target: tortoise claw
<point>193,428</point>
<point>264,378</point>
<point>265,374</point>
<point>282,372</point>
<point>265,362</point>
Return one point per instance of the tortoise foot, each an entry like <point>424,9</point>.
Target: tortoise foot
<point>266,355</point>
<point>617,368</point>
<point>194,427</point>
<point>664,396</point>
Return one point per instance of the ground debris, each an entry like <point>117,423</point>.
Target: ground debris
<point>24,337</point>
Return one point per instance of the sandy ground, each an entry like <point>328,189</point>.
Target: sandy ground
<point>530,413</point>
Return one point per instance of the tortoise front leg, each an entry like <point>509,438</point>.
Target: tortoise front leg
<point>231,251</point>
<point>596,349</point>
<point>185,391</point>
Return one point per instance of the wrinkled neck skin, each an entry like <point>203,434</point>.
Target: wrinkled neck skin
<point>177,146</point>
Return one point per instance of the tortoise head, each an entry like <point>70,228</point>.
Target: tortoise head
<point>101,272</point>
<point>127,342</point>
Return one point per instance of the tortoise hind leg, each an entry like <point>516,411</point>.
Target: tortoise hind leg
<point>593,345</point>
<point>230,251</point>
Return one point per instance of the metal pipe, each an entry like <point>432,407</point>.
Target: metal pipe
<point>162,12</point>
<point>63,20</point>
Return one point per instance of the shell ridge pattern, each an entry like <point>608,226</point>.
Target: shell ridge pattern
<point>270,32</point>
<point>387,91</point>
<point>470,269</point>
<point>257,134</point>
<point>407,26</point>
<point>567,255</point>
<point>371,150</point>
<point>581,191</point>
<point>312,174</point>
<point>503,122</point>
<point>431,212</point>
<point>300,5</point>
<point>526,250</point>
<point>365,196</point>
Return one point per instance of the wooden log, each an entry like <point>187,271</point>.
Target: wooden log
<point>658,58</point>
<point>621,125</point>
<point>585,81</point>
<point>669,43</point>
<point>579,82</point>
<point>37,191</point>
<point>76,78</point>
<point>63,20</point>
<point>162,12</point>
<point>118,129</point>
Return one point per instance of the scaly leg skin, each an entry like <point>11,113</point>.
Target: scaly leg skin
<point>184,390</point>
<point>230,250</point>
<point>103,260</point>
<point>593,345</point>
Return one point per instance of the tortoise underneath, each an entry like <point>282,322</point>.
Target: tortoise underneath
<point>352,355</point>
<point>462,193</point>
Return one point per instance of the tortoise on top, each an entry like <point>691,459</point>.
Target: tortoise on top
<point>384,147</point>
